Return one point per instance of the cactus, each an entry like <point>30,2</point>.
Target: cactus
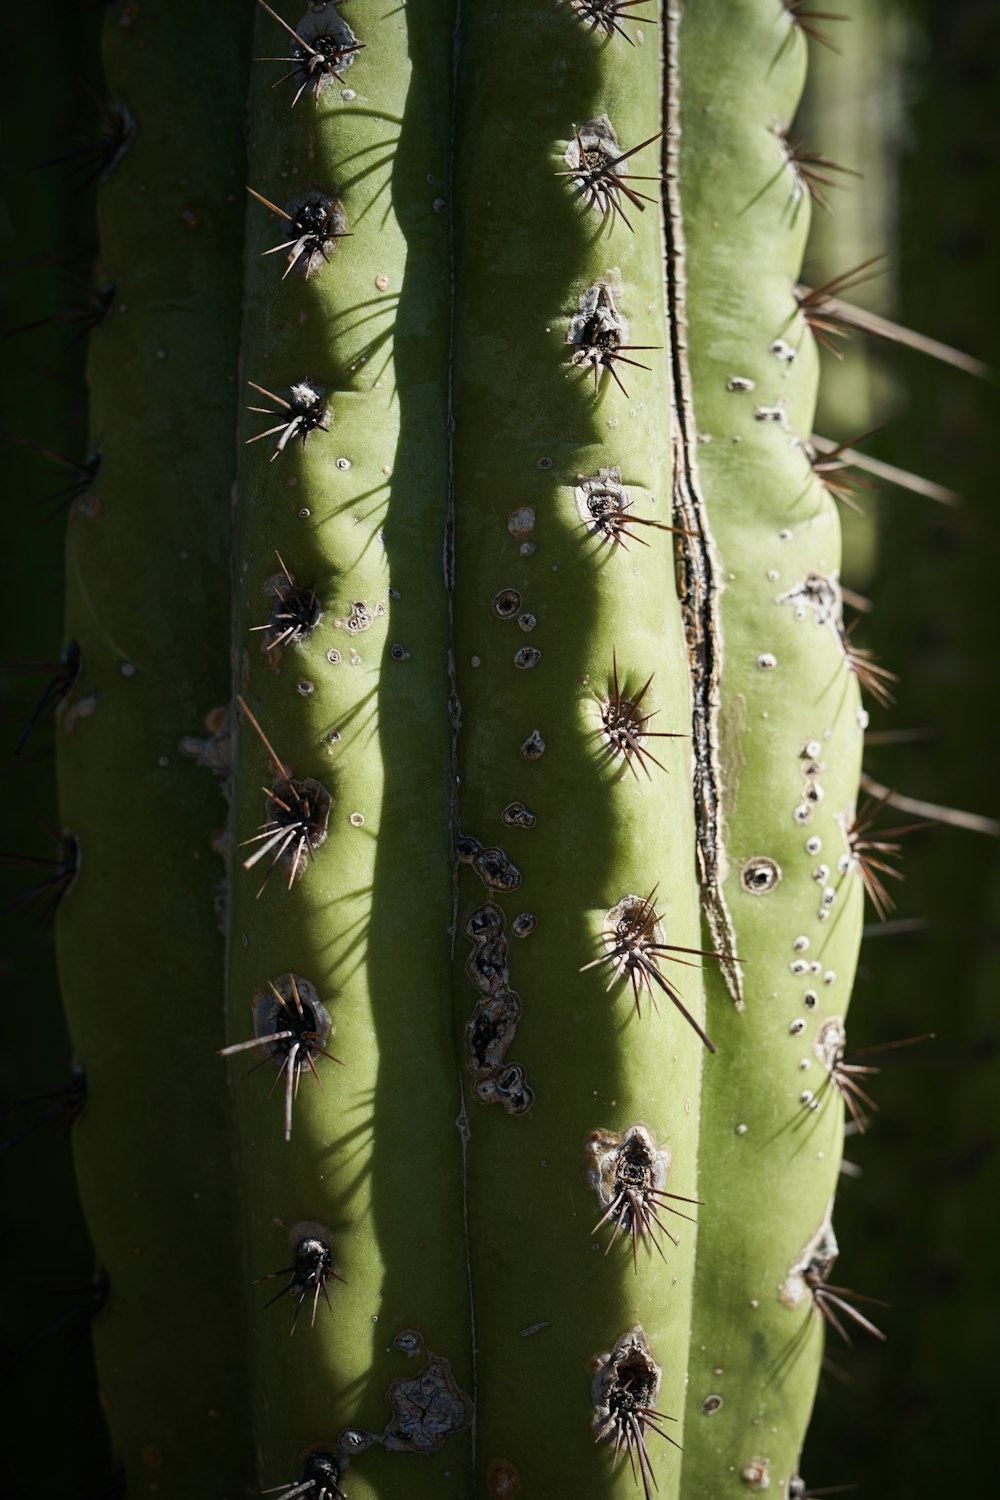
<point>455,509</point>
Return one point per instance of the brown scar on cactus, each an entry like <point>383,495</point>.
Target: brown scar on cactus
<point>628,1173</point>
<point>608,15</point>
<point>291,1027</point>
<point>299,812</point>
<point>624,725</point>
<point>427,1408</point>
<point>598,335</point>
<point>314,227</point>
<point>310,1270</point>
<point>306,412</point>
<point>322,49</point>
<point>594,162</point>
<point>634,938</point>
<point>625,1387</point>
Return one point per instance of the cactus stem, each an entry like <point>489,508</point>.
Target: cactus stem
<point>630,935</point>
<point>306,412</point>
<point>625,1387</point>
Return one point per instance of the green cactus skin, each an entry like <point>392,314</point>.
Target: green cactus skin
<point>528,431</point>
<point>358,513</point>
<point>790,741</point>
<point>436,427</point>
<point>143,994</point>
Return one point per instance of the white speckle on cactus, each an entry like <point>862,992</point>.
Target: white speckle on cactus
<point>739,383</point>
<point>766,661</point>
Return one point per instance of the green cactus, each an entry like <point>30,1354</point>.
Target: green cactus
<point>508,619</point>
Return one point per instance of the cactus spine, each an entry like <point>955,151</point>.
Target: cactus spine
<point>456,640</point>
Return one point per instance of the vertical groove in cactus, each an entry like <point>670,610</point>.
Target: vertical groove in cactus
<point>790,745</point>
<point>147,574</point>
<point>534,463</point>
<point>493,1186</point>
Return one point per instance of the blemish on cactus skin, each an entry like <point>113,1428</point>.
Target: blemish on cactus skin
<point>310,1269</point>
<point>711,1405</point>
<point>527,657</point>
<point>291,1027</point>
<point>624,1390</point>
<point>739,383</point>
<point>533,748</point>
<point>408,1342</point>
<point>509,1088</point>
<point>628,1174</point>
<point>760,875</point>
<point>506,604</point>
<point>427,1408</point>
<point>756,1475</point>
<point>516,815</point>
<point>523,924</point>
<point>503,1480</point>
<point>314,225</point>
<point>521,521</point>
<point>490,1031</point>
<point>306,412</point>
